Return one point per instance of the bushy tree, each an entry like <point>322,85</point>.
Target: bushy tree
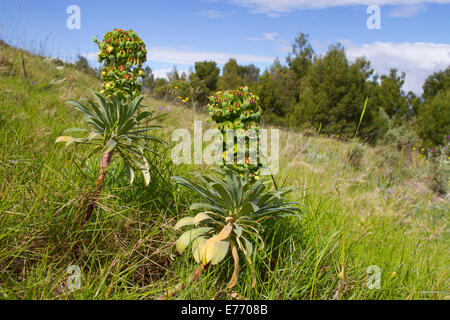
<point>235,75</point>
<point>277,91</point>
<point>301,56</point>
<point>208,72</point>
<point>434,119</point>
<point>391,97</point>
<point>173,75</point>
<point>333,93</point>
<point>204,80</point>
<point>438,81</point>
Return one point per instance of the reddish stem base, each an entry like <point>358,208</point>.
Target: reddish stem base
<point>173,292</point>
<point>106,159</point>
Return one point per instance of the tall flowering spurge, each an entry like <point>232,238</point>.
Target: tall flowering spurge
<point>239,111</point>
<point>123,54</point>
<point>231,204</point>
<point>119,126</point>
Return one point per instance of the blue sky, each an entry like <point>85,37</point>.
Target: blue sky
<point>413,35</point>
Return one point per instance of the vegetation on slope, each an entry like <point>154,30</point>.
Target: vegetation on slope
<point>380,211</point>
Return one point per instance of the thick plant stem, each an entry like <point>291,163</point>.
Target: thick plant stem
<point>173,292</point>
<point>106,159</point>
<point>197,272</point>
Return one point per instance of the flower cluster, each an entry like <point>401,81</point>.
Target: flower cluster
<point>123,54</point>
<point>237,110</point>
<point>184,100</point>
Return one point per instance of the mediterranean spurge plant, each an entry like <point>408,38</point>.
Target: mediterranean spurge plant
<point>119,124</point>
<point>233,203</point>
<point>228,218</point>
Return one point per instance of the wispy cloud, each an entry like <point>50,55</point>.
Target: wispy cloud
<point>418,60</point>
<point>405,11</point>
<point>282,45</point>
<point>270,36</point>
<point>91,56</point>
<point>189,57</point>
<point>265,37</point>
<point>214,14</point>
<point>274,8</point>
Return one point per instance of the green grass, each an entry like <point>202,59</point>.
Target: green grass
<point>350,221</point>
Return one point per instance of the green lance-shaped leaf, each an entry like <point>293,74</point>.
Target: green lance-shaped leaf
<point>204,206</point>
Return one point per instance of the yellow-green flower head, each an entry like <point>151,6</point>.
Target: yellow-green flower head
<point>124,53</point>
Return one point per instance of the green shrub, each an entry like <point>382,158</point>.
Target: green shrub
<point>439,179</point>
<point>440,170</point>
<point>398,136</point>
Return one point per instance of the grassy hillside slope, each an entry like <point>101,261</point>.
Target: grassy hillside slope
<point>378,213</point>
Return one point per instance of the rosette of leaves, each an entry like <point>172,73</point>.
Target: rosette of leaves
<point>123,54</point>
<point>118,129</point>
<point>228,217</point>
<point>237,110</point>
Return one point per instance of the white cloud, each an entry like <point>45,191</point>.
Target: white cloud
<point>189,57</point>
<point>266,37</point>
<point>214,14</point>
<point>283,45</point>
<point>270,36</point>
<point>91,56</point>
<point>405,11</point>
<point>418,60</point>
<point>275,7</point>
